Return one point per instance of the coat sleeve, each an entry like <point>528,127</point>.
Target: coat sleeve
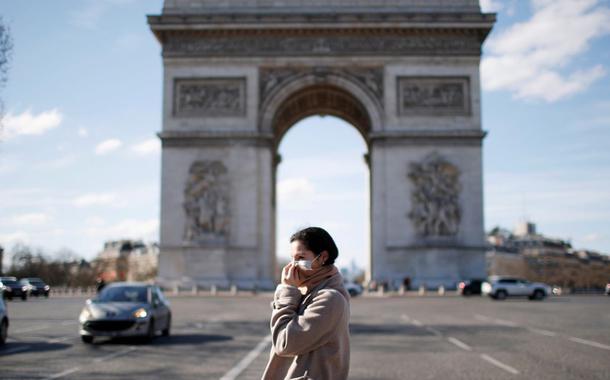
<point>295,334</point>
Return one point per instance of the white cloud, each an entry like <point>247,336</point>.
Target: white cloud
<point>108,146</point>
<point>293,189</point>
<point>13,238</point>
<point>30,219</point>
<point>531,58</point>
<point>95,199</point>
<point>147,147</point>
<point>490,5</point>
<point>83,132</point>
<point>29,124</point>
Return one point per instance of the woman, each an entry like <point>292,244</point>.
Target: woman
<point>310,317</point>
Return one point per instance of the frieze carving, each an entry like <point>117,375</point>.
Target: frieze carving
<point>371,44</point>
<point>435,207</point>
<point>206,202</point>
<point>433,96</point>
<point>272,79</point>
<point>209,97</point>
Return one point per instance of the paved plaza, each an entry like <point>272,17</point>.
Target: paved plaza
<point>392,338</point>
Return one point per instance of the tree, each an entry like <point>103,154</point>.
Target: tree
<point>6,49</point>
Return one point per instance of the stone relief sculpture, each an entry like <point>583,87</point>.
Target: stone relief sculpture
<point>433,96</point>
<point>435,197</point>
<point>209,97</point>
<point>206,202</point>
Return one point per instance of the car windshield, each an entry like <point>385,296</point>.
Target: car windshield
<point>9,282</point>
<point>123,294</point>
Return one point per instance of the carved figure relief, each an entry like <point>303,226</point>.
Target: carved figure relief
<point>433,96</point>
<point>210,97</point>
<point>206,202</point>
<point>370,78</point>
<point>435,207</point>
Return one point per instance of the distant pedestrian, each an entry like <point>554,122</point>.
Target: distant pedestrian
<point>310,313</point>
<point>100,283</point>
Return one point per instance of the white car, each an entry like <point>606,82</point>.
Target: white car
<point>501,287</point>
<point>3,322</point>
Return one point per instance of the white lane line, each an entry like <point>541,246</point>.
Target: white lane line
<point>114,354</point>
<point>245,362</point>
<point>434,331</point>
<point>499,364</point>
<point>405,317</point>
<point>62,374</point>
<point>59,340</point>
<point>14,350</point>
<point>417,323</point>
<point>41,327</point>
<point>459,343</point>
<point>482,318</point>
<point>66,323</point>
<point>589,343</point>
<point>542,332</point>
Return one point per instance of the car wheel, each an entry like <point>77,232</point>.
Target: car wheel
<point>87,339</point>
<point>501,295</point>
<point>3,331</point>
<point>150,334</point>
<point>24,297</point>
<point>166,330</point>
<point>46,295</point>
<point>467,292</point>
<point>538,294</point>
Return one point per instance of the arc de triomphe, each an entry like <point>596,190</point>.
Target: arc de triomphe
<point>239,73</point>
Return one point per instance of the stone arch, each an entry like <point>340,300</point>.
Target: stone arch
<point>306,95</point>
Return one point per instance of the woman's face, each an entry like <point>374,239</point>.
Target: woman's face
<point>298,251</point>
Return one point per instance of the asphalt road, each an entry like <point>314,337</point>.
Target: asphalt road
<point>392,338</point>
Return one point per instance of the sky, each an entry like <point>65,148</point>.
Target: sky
<point>80,160</point>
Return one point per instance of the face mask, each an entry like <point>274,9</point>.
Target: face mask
<point>305,264</point>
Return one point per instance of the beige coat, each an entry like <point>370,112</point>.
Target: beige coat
<point>310,333</point>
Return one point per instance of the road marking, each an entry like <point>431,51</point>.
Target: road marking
<point>64,373</point>
<point>499,364</point>
<point>66,323</point>
<point>459,343</point>
<point>14,350</point>
<point>41,327</point>
<point>405,317</point>
<point>542,332</point>
<point>589,343</point>
<point>482,317</point>
<point>417,323</point>
<point>59,340</point>
<point>504,322</point>
<point>434,331</point>
<point>114,354</point>
<point>245,362</point>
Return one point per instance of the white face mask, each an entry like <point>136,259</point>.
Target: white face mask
<point>305,264</point>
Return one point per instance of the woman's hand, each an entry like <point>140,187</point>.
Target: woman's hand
<point>290,275</point>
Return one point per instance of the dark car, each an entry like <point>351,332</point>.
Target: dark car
<point>14,289</point>
<point>470,287</point>
<point>36,286</point>
<point>3,322</point>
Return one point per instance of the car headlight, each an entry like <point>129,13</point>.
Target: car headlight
<point>140,313</point>
<point>47,287</point>
<point>84,315</point>
<point>24,288</point>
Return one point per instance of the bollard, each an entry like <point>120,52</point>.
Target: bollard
<point>194,290</point>
<point>233,290</point>
<point>422,290</point>
<point>213,290</point>
<point>401,290</point>
<point>441,290</point>
<point>380,290</point>
<point>176,289</point>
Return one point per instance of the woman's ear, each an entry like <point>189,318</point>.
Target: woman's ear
<point>324,257</point>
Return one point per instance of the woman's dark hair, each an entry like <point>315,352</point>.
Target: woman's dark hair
<point>316,239</point>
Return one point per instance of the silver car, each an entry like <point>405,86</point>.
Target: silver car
<point>126,309</point>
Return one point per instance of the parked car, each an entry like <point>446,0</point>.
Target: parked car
<point>37,286</point>
<point>126,309</point>
<point>352,288</point>
<point>500,287</point>
<point>470,287</point>
<point>14,289</point>
<point>3,322</point>
<point>608,289</point>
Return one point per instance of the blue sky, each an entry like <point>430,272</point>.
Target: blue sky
<point>80,161</point>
